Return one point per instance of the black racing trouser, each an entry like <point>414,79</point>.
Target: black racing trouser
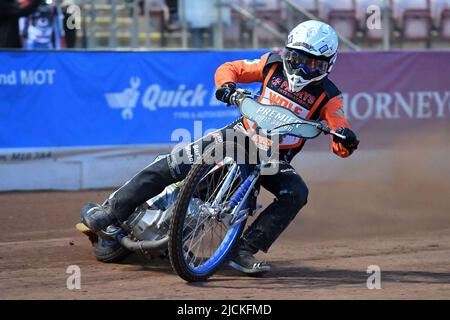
<point>286,185</point>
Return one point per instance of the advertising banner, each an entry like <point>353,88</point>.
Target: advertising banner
<point>87,101</point>
<point>61,99</point>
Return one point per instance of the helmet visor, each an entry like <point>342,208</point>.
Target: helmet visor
<point>304,65</point>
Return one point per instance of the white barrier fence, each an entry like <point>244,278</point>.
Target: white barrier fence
<point>109,167</point>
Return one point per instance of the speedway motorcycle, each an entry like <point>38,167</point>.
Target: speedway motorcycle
<point>197,222</point>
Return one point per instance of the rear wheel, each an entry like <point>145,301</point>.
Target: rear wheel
<point>110,251</point>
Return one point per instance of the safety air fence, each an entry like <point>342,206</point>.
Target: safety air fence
<point>83,120</point>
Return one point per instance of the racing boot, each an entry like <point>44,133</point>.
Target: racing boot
<point>243,260</point>
<point>97,217</point>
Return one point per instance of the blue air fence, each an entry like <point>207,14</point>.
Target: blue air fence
<point>61,99</point>
<point>68,120</point>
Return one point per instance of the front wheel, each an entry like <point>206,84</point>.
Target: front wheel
<point>201,235</point>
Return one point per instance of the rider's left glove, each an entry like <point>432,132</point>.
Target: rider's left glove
<point>350,143</point>
<point>225,91</point>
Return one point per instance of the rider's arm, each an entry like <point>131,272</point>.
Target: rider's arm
<point>241,71</point>
<point>333,114</point>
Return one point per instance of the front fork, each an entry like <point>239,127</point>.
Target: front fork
<point>240,196</point>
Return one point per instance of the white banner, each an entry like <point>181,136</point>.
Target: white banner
<point>73,168</point>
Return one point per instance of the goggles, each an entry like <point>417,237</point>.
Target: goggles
<point>301,64</point>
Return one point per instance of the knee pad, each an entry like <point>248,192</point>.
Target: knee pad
<point>295,198</point>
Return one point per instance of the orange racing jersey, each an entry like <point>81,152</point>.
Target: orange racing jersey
<point>317,101</point>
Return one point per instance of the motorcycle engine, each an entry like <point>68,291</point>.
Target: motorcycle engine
<point>149,223</point>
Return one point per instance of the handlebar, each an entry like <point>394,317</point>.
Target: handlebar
<point>239,95</point>
<point>327,130</point>
<point>320,126</point>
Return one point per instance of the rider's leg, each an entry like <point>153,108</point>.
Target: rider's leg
<point>149,182</point>
<point>291,195</point>
<point>144,185</point>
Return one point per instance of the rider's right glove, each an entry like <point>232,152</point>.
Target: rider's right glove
<point>225,91</point>
<point>351,142</point>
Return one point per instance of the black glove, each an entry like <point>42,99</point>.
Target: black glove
<point>225,91</point>
<point>350,143</point>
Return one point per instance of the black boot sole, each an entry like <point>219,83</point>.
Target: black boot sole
<point>250,272</point>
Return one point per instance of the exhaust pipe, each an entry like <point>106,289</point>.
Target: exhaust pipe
<point>144,245</point>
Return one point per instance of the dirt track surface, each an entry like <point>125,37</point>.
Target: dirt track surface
<point>324,254</point>
<point>401,225</point>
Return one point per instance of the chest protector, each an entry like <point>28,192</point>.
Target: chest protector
<point>306,103</point>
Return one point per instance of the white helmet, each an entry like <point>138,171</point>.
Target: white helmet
<point>310,53</point>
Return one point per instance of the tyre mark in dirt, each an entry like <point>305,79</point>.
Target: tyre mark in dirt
<point>33,243</point>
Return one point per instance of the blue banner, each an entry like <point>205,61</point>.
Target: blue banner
<point>53,99</point>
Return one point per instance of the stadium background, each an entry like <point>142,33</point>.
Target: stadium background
<point>86,118</point>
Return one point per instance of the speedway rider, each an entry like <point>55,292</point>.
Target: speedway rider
<point>298,80</point>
